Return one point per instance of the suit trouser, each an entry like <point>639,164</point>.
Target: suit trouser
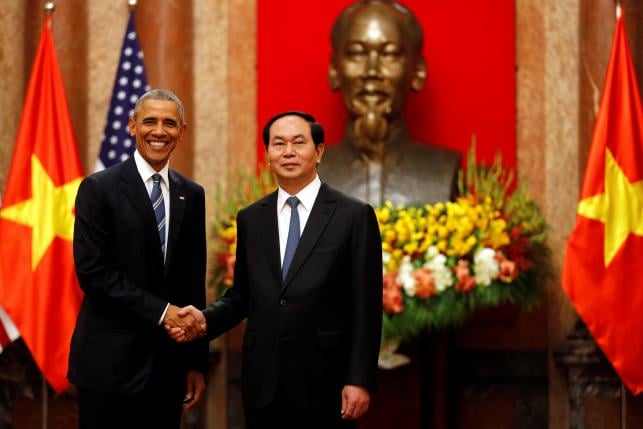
<point>159,406</point>
<point>283,414</point>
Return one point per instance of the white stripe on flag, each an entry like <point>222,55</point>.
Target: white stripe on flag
<point>9,328</point>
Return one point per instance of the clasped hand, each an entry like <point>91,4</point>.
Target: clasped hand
<point>184,324</point>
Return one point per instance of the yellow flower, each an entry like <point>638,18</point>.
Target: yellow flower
<point>383,214</point>
<point>410,248</point>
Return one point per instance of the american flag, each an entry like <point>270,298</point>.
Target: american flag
<point>130,84</point>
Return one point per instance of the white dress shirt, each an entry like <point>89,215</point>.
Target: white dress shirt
<point>146,172</point>
<point>306,198</point>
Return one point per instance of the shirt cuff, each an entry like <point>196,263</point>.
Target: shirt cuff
<point>163,315</point>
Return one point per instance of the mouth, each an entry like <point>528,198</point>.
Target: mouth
<point>373,97</point>
<point>289,165</point>
<point>156,144</point>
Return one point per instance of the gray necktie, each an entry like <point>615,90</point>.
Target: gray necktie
<point>159,208</point>
<point>293,236</point>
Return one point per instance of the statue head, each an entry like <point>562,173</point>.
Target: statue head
<point>377,60</point>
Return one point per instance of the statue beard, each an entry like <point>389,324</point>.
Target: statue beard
<point>370,130</point>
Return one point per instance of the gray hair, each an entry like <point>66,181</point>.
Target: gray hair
<point>160,94</point>
<point>410,24</point>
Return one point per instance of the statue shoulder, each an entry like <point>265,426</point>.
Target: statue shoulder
<point>434,154</point>
<point>336,157</point>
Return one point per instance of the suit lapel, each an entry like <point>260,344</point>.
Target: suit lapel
<point>177,209</point>
<point>270,234</point>
<point>134,189</point>
<point>322,211</point>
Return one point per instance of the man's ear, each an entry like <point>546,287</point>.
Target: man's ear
<point>131,124</point>
<point>333,78</point>
<point>320,151</point>
<point>419,76</point>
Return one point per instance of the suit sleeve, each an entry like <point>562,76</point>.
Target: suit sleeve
<point>366,299</point>
<point>197,351</point>
<point>229,310</point>
<point>97,278</point>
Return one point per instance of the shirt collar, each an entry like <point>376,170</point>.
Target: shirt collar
<point>146,171</point>
<point>306,196</point>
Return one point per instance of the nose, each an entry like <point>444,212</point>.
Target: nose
<point>289,150</point>
<point>373,64</point>
<point>158,128</point>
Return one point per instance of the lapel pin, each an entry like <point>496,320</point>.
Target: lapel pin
<point>181,197</point>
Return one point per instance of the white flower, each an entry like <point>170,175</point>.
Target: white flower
<point>485,266</point>
<point>441,273</point>
<point>432,252</point>
<point>386,258</point>
<point>405,276</point>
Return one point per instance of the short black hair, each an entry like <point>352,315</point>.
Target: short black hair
<point>316,130</point>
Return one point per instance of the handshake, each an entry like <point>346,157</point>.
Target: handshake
<point>184,324</point>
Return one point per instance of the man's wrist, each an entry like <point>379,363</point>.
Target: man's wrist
<point>164,313</point>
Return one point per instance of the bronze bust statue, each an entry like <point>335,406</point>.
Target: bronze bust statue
<point>377,59</point>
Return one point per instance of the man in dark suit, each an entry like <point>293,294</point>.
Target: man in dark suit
<point>308,277</point>
<point>139,245</point>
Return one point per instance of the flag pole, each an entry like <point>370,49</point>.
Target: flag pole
<point>132,4</point>
<point>623,407</point>
<point>50,6</point>
<point>623,392</point>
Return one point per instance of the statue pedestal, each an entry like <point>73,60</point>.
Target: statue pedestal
<point>590,376</point>
<point>413,395</point>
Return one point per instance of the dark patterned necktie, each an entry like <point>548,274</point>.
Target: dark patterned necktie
<point>293,236</point>
<point>159,208</point>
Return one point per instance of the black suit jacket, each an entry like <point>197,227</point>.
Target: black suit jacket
<point>117,342</point>
<point>320,328</point>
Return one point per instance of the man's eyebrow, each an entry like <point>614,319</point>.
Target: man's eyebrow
<point>286,138</point>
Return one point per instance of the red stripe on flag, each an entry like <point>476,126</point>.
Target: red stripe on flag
<point>4,338</point>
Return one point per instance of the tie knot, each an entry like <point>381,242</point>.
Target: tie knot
<point>156,178</point>
<point>293,202</point>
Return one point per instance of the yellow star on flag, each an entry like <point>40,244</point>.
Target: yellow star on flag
<point>49,212</point>
<point>620,207</point>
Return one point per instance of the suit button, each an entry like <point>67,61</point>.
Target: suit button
<point>282,302</point>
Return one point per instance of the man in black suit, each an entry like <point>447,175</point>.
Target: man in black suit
<point>139,245</point>
<point>314,314</point>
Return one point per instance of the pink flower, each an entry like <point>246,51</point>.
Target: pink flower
<point>466,281</point>
<point>425,283</point>
<point>508,271</point>
<point>391,294</point>
<point>229,274</point>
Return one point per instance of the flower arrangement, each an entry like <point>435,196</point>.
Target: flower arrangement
<point>443,261</point>
<point>440,262</point>
<point>242,191</point>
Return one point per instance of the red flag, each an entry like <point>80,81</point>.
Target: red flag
<point>604,259</point>
<point>38,285</point>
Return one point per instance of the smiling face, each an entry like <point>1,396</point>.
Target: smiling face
<point>292,154</point>
<point>158,128</point>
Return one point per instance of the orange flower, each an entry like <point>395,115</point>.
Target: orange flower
<point>466,281</point>
<point>508,271</point>
<point>391,294</point>
<point>425,283</point>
